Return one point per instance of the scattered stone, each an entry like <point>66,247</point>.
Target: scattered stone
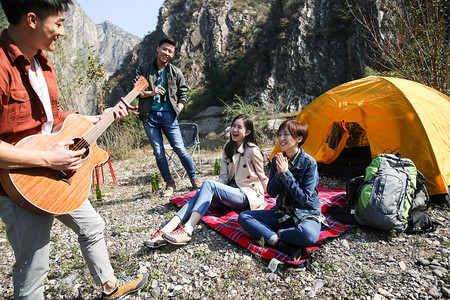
<point>435,262</point>
<point>434,292</point>
<point>212,274</point>
<point>429,277</point>
<point>413,273</point>
<point>272,277</point>
<point>213,267</point>
<point>423,262</point>
<point>345,244</point>
<point>385,293</point>
<point>445,291</point>
<point>70,280</point>
<point>156,292</point>
<point>441,269</point>
<point>438,273</point>
<point>318,285</point>
<point>377,297</point>
<point>154,283</point>
<point>402,266</point>
<point>142,269</point>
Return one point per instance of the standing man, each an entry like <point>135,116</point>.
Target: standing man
<point>159,108</point>
<point>29,105</point>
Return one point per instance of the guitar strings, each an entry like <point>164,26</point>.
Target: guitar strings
<point>83,143</point>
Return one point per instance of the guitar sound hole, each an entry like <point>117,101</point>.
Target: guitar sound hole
<point>78,144</point>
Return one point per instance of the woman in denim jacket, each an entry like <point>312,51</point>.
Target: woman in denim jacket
<point>295,221</point>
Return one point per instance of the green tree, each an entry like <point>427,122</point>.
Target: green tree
<point>80,75</point>
<point>253,110</point>
<point>215,78</point>
<point>3,20</point>
<point>215,86</point>
<point>409,38</point>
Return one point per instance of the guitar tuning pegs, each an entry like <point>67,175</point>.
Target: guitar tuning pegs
<point>137,77</point>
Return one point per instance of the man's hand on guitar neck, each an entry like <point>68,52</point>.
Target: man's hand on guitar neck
<point>119,113</point>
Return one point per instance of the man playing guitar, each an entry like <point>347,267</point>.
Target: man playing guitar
<point>29,105</point>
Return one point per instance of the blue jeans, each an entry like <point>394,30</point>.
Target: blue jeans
<point>166,121</point>
<point>264,223</point>
<point>216,194</point>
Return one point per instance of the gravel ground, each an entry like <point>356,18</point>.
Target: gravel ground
<point>360,264</point>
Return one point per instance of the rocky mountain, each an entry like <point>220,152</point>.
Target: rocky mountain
<point>279,53</point>
<point>111,42</point>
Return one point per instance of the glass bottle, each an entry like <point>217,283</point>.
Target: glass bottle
<point>158,182</point>
<point>215,166</point>
<point>219,165</point>
<point>98,193</point>
<point>152,182</point>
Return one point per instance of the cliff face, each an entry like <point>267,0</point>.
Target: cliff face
<point>111,45</point>
<point>110,41</point>
<point>280,53</point>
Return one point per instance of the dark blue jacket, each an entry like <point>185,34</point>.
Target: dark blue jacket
<point>300,183</point>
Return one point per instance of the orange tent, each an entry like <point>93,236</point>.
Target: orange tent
<point>391,113</point>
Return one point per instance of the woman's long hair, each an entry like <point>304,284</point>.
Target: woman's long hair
<point>231,147</point>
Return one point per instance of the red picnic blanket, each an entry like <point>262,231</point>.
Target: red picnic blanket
<point>225,222</point>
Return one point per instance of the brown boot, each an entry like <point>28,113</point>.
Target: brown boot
<point>196,184</point>
<point>170,186</point>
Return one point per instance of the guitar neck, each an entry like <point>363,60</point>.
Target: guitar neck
<point>94,133</point>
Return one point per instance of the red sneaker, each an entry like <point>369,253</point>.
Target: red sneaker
<point>156,240</point>
<point>177,237</point>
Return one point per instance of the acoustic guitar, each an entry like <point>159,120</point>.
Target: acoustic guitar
<point>51,192</point>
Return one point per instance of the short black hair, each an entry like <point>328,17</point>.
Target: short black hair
<point>167,39</point>
<point>15,9</point>
<point>296,129</point>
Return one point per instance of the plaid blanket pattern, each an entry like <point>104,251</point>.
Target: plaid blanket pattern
<point>225,222</point>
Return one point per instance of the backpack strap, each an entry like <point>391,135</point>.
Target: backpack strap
<point>421,199</point>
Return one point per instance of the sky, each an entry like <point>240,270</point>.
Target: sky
<point>138,17</point>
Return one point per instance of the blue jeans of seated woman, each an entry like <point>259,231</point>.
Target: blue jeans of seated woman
<point>166,121</point>
<point>214,194</point>
<point>264,223</point>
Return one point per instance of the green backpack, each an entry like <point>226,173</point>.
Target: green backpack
<point>388,193</point>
